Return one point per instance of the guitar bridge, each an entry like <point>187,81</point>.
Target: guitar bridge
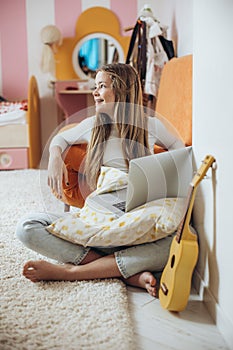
<point>164,288</point>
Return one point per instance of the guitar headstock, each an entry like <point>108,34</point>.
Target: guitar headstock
<point>201,172</point>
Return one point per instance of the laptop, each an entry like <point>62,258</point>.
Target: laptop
<point>166,174</point>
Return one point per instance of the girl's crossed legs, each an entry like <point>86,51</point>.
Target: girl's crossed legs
<point>134,265</point>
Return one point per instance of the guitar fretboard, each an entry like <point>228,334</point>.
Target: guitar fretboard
<point>181,225</point>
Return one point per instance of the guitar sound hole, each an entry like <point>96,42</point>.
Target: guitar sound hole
<point>172,261</point>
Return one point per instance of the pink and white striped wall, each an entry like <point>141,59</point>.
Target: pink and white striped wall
<point>20,24</point>
<point>20,45</point>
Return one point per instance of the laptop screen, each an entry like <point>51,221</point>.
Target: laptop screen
<point>166,174</point>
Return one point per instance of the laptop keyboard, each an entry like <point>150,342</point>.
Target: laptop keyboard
<point>120,205</point>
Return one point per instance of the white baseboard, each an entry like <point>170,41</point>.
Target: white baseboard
<point>223,324</point>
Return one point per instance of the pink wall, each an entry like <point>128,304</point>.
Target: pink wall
<point>14,46</point>
<point>126,12</point>
<point>66,16</point>
<point>14,49</point>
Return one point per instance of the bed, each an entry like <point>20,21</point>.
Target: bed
<point>20,131</point>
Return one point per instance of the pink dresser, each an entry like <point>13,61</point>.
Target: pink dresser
<point>14,145</point>
<point>13,158</point>
<point>20,131</point>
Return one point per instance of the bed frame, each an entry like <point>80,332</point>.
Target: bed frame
<point>20,144</point>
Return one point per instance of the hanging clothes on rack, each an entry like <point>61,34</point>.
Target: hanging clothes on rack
<point>136,55</point>
<point>149,50</point>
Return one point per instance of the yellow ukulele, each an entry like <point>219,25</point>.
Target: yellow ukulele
<point>175,283</point>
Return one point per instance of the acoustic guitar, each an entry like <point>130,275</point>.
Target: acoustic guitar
<point>175,283</point>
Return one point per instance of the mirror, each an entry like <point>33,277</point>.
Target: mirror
<point>97,26</point>
<point>93,51</point>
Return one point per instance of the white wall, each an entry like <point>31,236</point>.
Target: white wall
<point>212,133</point>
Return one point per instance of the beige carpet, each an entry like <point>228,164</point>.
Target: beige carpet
<point>52,315</point>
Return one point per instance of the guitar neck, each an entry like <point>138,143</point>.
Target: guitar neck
<point>184,231</point>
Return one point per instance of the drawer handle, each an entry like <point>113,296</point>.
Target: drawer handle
<point>5,160</point>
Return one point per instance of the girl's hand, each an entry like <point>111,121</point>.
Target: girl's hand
<point>56,171</point>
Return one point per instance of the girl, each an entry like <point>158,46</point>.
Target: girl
<point>119,132</point>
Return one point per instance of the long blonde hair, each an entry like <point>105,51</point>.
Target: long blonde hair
<point>129,119</point>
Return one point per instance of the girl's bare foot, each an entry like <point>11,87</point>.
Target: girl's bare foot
<point>143,280</point>
<point>42,270</point>
<point>97,267</point>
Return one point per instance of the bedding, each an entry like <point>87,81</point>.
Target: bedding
<point>13,112</point>
<point>94,226</point>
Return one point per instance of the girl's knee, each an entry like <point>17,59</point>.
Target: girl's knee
<point>20,231</point>
<point>24,231</point>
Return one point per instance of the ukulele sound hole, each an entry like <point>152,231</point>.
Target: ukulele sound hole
<point>172,261</point>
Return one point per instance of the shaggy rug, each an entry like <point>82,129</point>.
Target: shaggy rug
<point>52,315</point>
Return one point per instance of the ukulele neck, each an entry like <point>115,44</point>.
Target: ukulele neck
<point>183,231</point>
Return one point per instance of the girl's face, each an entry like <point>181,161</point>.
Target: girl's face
<point>103,93</point>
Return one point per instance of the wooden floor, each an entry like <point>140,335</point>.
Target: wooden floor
<point>158,329</point>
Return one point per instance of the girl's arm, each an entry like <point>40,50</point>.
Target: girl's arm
<point>163,135</point>
<point>81,133</point>
<point>56,167</point>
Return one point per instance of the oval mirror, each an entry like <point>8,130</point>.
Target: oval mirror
<point>93,51</point>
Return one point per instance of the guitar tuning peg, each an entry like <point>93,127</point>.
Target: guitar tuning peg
<point>214,165</point>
